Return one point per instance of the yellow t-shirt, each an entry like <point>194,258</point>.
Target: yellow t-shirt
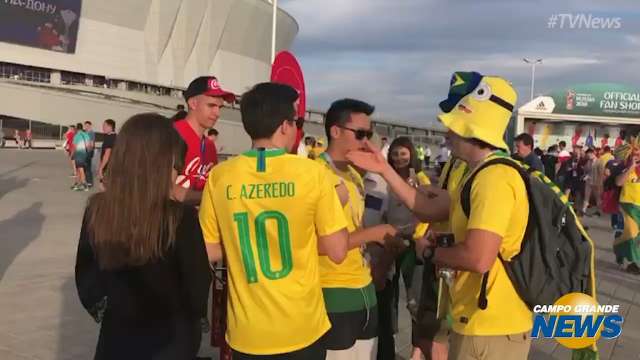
<point>267,211</point>
<point>421,228</point>
<point>631,190</point>
<point>354,272</point>
<point>601,165</point>
<point>499,204</point>
<point>457,173</point>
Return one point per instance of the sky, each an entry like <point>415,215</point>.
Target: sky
<point>399,54</point>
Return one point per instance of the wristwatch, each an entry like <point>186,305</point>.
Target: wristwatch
<point>428,253</point>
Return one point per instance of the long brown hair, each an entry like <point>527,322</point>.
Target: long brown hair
<point>405,142</point>
<point>134,221</point>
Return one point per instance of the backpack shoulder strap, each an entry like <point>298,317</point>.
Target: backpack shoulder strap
<point>465,195</point>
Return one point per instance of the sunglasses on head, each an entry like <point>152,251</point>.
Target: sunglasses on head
<point>359,133</point>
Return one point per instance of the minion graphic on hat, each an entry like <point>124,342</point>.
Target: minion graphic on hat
<point>478,107</point>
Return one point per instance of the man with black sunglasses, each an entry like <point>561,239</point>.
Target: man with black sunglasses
<point>349,294</point>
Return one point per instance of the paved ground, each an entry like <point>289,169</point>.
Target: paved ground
<point>41,317</point>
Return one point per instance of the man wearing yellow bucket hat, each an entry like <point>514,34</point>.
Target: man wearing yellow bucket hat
<point>476,113</point>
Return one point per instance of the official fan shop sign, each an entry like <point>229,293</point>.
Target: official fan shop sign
<point>611,100</point>
<point>46,24</point>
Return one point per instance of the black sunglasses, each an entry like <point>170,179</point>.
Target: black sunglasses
<point>360,133</point>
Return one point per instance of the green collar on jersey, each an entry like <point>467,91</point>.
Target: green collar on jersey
<point>267,152</point>
<point>262,154</point>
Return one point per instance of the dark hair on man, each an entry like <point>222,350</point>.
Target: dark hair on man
<point>552,148</point>
<point>111,123</point>
<point>340,113</point>
<point>79,126</point>
<point>562,144</point>
<point>590,151</point>
<point>212,132</point>
<point>180,107</point>
<point>72,127</point>
<point>606,149</point>
<point>526,139</point>
<point>88,122</point>
<point>265,107</point>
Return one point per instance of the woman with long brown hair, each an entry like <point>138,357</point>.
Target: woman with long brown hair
<point>142,268</point>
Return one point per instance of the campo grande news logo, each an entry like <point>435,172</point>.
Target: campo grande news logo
<point>577,321</point>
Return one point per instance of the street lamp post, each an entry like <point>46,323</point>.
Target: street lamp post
<point>273,29</point>
<point>533,71</point>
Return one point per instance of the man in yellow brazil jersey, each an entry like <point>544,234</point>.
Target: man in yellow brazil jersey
<point>275,213</point>
<point>349,294</point>
<point>476,113</point>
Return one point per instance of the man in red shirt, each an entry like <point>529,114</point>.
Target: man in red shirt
<point>204,98</point>
<point>68,146</point>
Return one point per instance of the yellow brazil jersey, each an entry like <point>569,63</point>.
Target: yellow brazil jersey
<point>267,208</point>
<point>456,169</point>
<point>421,228</point>
<point>499,204</point>
<point>631,190</point>
<point>354,272</point>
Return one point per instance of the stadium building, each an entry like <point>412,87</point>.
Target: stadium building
<point>68,61</point>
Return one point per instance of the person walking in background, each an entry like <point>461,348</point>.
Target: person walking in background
<point>524,152</point>
<point>79,155</point>
<point>109,130</point>
<point>427,157</point>
<point>68,147</point>
<point>28,139</point>
<point>627,245</point>
<point>141,266</point>
<point>385,146</point>
<point>590,178</point>
<point>443,156</point>
<point>88,170</point>
<point>549,161</point>
<point>16,135</point>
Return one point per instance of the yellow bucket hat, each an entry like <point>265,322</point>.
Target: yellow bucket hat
<point>478,107</point>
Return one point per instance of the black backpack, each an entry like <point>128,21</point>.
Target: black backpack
<point>556,256</point>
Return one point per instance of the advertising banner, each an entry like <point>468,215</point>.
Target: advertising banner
<point>46,24</point>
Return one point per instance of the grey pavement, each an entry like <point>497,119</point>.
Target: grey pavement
<point>41,316</point>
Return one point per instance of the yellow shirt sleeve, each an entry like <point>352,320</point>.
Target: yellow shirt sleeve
<point>421,228</point>
<point>207,215</point>
<point>493,196</point>
<point>329,216</point>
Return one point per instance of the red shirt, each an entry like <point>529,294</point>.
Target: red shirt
<point>69,145</point>
<point>201,157</point>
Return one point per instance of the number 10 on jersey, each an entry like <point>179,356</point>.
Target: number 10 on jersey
<point>262,244</point>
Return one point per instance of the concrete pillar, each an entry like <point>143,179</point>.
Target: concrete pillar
<point>56,78</point>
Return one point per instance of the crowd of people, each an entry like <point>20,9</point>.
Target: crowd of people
<point>597,182</point>
<point>315,248</point>
<point>80,146</point>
